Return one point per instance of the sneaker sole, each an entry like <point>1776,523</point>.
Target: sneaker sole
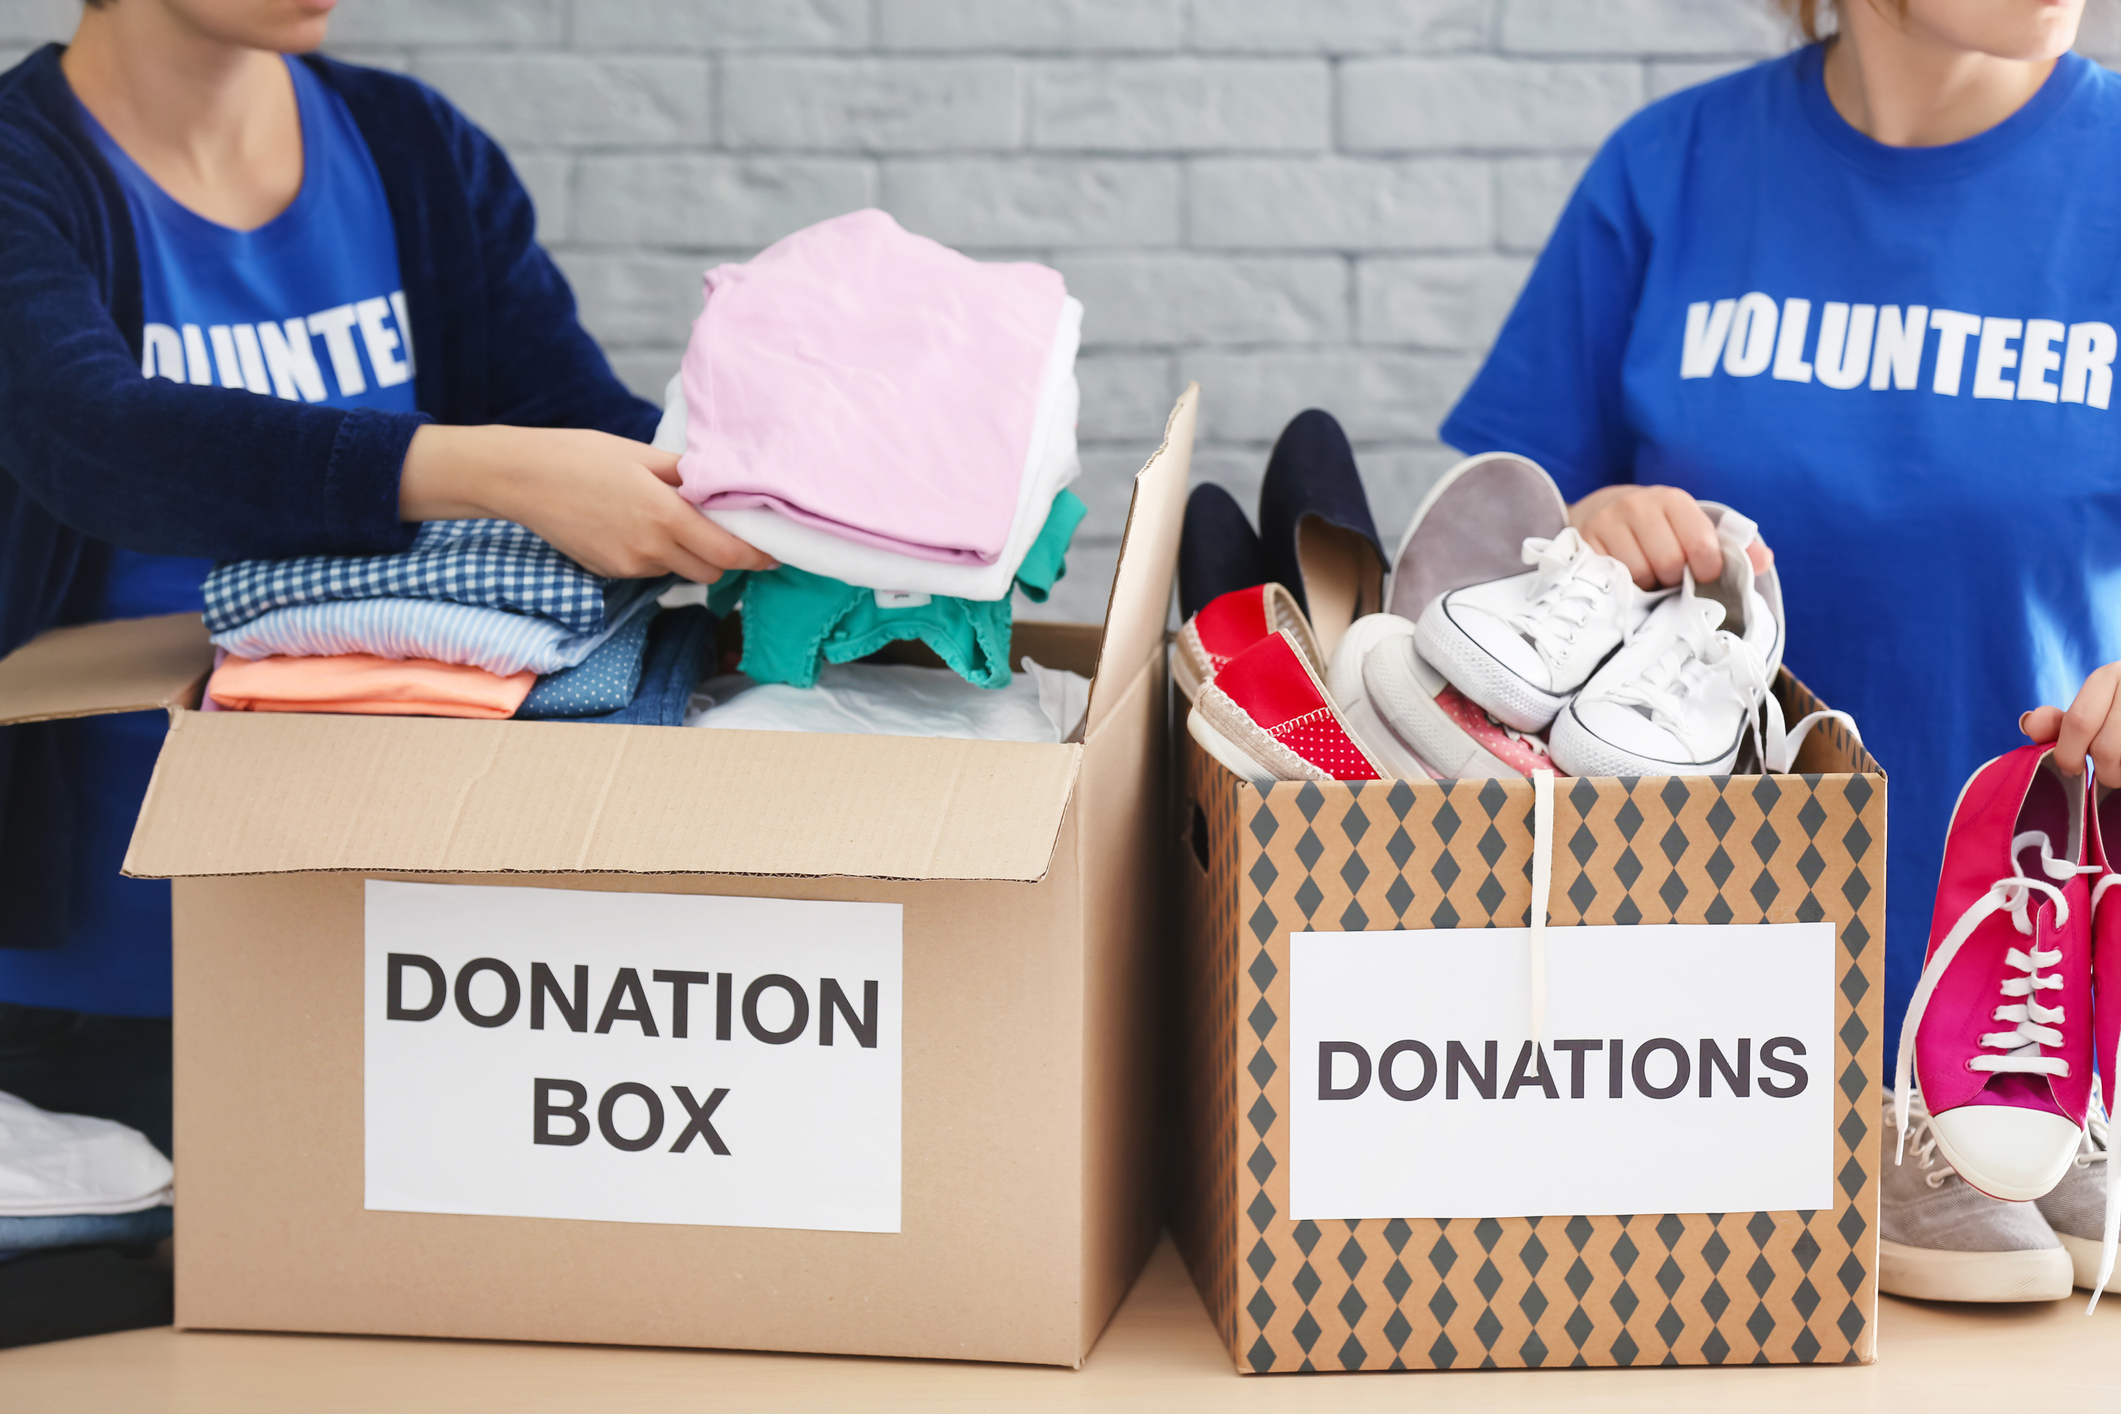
<point>1579,752</point>
<point>2043,1274</point>
<point>2084,1262</point>
<point>1475,672</point>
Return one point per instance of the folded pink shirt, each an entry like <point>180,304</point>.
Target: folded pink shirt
<point>871,383</point>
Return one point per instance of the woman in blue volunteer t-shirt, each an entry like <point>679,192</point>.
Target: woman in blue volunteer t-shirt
<point>256,306</point>
<point>1867,294</point>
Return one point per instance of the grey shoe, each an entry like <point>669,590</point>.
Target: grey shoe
<point>1942,1240</point>
<point>2076,1208</point>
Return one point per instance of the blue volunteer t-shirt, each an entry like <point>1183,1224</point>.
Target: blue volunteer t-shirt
<point>307,306</point>
<point>1899,361</point>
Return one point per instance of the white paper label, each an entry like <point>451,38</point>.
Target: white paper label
<point>654,1058</point>
<point>1686,1068</point>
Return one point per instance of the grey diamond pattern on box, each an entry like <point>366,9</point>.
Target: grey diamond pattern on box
<point>1414,1293</point>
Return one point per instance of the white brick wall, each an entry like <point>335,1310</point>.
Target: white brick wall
<point>1296,202</point>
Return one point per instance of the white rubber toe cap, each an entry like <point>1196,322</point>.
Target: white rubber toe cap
<point>2005,1151</point>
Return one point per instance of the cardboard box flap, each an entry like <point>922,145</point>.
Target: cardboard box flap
<point>1148,558</point>
<point>242,793</point>
<point>88,670</point>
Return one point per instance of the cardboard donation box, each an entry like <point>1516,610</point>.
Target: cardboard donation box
<point>1421,1137</point>
<point>563,1032</point>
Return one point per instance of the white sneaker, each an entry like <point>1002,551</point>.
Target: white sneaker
<point>1692,686</point>
<point>1344,683</point>
<point>1523,646</point>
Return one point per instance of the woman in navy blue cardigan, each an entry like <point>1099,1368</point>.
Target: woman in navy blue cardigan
<point>175,119</point>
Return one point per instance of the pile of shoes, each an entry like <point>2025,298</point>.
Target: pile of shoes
<point>1996,1182</point>
<point>1504,645</point>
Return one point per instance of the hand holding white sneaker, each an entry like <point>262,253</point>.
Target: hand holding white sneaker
<point>1656,531</point>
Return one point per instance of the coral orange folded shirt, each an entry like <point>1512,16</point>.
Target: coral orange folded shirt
<point>364,683</point>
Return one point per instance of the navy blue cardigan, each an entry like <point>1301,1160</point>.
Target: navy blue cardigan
<point>95,455</point>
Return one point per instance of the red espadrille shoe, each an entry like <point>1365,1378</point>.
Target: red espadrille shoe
<point>1268,717</point>
<point>1231,623</point>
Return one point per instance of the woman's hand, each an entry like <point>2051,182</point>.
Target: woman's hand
<point>2091,727</point>
<point>1656,531</point>
<point>607,503</point>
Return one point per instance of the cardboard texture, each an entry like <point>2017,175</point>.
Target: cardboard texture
<point>90,670</point>
<point>1566,1290</point>
<point>1031,882</point>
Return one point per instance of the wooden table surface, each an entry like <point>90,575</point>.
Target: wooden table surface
<point>1159,1354</point>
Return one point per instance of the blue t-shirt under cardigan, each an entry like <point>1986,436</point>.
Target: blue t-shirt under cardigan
<point>1899,361</point>
<point>286,310</point>
<point>97,456</point>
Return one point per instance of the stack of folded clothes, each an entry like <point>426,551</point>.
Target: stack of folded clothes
<point>895,423</point>
<point>69,1180</point>
<point>479,618</point>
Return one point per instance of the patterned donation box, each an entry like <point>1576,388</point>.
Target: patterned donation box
<point>1396,1161</point>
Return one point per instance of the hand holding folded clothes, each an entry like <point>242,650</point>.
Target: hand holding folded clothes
<point>892,422</point>
<point>609,504</point>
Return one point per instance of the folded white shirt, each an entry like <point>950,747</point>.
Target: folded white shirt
<point>55,1165</point>
<point>894,699</point>
<point>821,552</point>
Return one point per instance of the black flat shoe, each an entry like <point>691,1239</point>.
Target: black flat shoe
<point>1218,552</point>
<point>1315,527</point>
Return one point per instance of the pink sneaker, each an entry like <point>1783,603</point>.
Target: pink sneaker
<point>1268,717</point>
<point>1229,624</point>
<point>1999,1030</point>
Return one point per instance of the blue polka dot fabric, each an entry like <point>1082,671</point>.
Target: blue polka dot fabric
<point>603,682</point>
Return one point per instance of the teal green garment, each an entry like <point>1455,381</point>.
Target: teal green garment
<point>793,619</point>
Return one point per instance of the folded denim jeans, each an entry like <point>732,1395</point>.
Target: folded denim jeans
<point>680,651</point>
<point>80,1229</point>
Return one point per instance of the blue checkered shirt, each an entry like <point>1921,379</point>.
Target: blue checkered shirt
<point>495,564</point>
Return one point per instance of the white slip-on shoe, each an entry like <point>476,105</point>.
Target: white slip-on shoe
<point>1522,646</point>
<point>1344,681</point>
<point>1941,1239</point>
<point>1445,729</point>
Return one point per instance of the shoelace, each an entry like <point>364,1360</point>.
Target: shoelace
<point>2101,1136</point>
<point>1699,651</point>
<point>1574,581</point>
<point>1919,1128</point>
<point>1679,673</point>
<point>2013,894</point>
<point>2100,1146</point>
